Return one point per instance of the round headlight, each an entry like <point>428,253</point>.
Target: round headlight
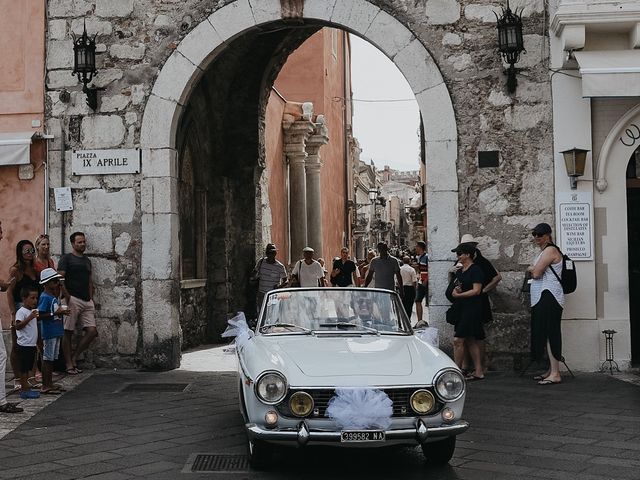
<point>449,385</point>
<point>422,401</point>
<point>271,387</point>
<point>301,404</point>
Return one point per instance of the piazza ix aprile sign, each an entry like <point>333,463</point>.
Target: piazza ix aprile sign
<point>105,162</point>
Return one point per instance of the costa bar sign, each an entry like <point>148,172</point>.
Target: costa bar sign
<point>105,162</point>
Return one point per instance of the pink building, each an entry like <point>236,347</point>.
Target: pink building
<point>22,149</point>
<point>318,72</point>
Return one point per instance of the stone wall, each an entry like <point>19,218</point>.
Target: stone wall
<point>131,220</point>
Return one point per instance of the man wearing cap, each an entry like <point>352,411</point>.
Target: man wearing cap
<point>78,291</point>
<point>269,272</point>
<point>308,271</point>
<point>50,316</point>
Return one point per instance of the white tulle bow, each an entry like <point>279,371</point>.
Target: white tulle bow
<point>360,408</point>
<point>238,328</point>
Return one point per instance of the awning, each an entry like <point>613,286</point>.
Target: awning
<point>14,148</point>
<point>610,73</point>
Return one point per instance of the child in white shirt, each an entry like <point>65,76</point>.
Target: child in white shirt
<point>27,333</point>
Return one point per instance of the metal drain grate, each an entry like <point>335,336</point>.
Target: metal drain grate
<point>204,462</point>
<point>154,387</point>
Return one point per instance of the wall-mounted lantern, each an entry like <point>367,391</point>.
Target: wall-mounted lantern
<point>510,42</point>
<point>84,65</point>
<point>575,161</point>
<point>373,194</point>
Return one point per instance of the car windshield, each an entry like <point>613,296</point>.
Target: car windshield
<point>336,310</point>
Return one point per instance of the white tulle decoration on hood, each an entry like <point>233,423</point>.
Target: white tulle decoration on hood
<point>238,328</point>
<point>360,409</point>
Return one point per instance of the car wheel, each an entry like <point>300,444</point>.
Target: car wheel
<point>439,453</point>
<point>260,454</point>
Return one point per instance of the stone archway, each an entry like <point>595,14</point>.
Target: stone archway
<point>612,279</point>
<point>177,79</point>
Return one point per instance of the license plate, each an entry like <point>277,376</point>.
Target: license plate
<point>362,436</point>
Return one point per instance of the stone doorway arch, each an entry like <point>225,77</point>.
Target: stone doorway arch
<point>177,79</point>
<point>612,278</point>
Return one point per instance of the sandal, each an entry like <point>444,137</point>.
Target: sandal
<point>50,391</point>
<point>10,408</point>
<point>473,378</point>
<point>72,371</point>
<point>77,369</point>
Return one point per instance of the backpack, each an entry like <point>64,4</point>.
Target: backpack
<point>568,278</point>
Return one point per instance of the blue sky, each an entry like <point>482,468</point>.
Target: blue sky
<point>387,131</point>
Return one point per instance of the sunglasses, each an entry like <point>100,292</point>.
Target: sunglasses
<point>28,250</point>
<point>538,235</point>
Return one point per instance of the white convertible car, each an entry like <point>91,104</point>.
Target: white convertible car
<point>342,366</point>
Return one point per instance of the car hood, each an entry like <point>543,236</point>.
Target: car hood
<point>345,360</point>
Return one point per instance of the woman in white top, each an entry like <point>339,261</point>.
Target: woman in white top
<point>547,300</point>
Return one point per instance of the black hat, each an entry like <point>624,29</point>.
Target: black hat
<point>541,229</point>
<point>467,248</point>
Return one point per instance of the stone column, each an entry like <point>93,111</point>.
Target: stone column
<point>295,138</point>
<point>313,165</point>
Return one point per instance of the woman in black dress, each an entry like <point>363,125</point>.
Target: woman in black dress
<point>466,295</point>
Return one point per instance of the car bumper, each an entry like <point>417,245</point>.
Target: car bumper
<point>302,435</point>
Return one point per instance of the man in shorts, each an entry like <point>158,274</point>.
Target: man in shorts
<point>75,267</point>
<point>422,291</point>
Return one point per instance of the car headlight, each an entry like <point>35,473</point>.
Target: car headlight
<point>449,385</point>
<point>271,387</point>
<point>301,404</point>
<point>422,401</point>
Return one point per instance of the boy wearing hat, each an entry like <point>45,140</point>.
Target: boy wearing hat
<point>50,315</point>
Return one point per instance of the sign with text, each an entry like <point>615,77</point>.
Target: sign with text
<point>575,212</point>
<point>105,162</point>
<point>63,199</point>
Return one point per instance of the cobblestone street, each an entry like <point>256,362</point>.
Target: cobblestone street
<point>111,427</point>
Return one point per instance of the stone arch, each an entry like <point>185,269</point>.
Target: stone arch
<point>181,73</point>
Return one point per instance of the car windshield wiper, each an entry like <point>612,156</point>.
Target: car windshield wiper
<point>264,328</point>
<point>350,325</point>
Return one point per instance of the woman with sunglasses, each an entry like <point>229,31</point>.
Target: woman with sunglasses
<point>25,276</point>
<point>547,300</point>
<point>467,294</point>
<point>43,254</point>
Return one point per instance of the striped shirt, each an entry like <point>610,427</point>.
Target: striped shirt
<point>270,275</point>
<point>548,281</point>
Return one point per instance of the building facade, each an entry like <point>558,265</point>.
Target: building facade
<point>188,83</point>
<point>596,107</point>
<point>23,148</point>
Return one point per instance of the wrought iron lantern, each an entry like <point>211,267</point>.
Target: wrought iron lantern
<point>84,65</point>
<point>510,42</point>
<point>575,160</point>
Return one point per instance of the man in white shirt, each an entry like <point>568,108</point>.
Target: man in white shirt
<point>307,271</point>
<point>409,280</point>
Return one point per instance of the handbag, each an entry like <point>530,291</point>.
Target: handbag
<point>526,283</point>
<point>453,314</point>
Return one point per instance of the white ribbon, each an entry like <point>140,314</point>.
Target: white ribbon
<point>238,328</point>
<point>360,409</point>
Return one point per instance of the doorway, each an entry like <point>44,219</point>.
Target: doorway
<point>633,223</point>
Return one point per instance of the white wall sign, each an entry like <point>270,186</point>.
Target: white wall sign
<point>575,214</point>
<point>63,199</point>
<point>105,162</point>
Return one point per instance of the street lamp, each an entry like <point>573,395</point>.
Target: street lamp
<point>84,65</point>
<point>575,160</point>
<point>373,194</point>
<point>510,42</point>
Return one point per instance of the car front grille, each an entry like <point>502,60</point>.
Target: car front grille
<point>399,396</point>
